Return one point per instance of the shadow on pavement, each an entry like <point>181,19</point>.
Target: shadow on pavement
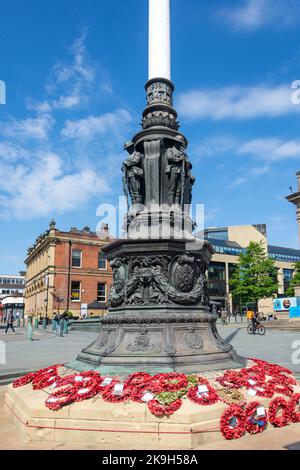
<point>233,334</point>
<point>295,446</point>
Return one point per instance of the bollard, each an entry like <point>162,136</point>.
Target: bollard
<point>45,323</point>
<point>61,328</point>
<point>66,327</point>
<point>36,324</point>
<point>18,322</point>
<point>53,326</point>
<point>23,322</point>
<point>30,332</point>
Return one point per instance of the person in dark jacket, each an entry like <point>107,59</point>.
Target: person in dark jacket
<point>10,322</point>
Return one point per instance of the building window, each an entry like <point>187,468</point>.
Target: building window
<point>75,291</point>
<point>287,278</point>
<point>76,258</point>
<point>217,279</point>
<point>101,294</point>
<point>102,263</point>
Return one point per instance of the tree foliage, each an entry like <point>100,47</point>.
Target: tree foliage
<point>255,276</point>
<point>295,281</point>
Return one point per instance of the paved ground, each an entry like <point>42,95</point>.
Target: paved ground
<point>47,348</point>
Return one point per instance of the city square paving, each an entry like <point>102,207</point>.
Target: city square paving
<point>47,348</point>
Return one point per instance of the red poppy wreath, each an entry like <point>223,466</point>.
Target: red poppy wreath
<point>294,403</point>
<point>171,382</point>
<point>255,422</point>
<point>205,397</point>
<point>232,424</point>
<point>158,409</point>
<point>275,406</point>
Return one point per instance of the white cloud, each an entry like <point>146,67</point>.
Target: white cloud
<point>268,149</point>
<point>31,128</point>
<point>93,126</point>
<point>42,176</point>
<point>73,84</point>
<point>254,14</point>
<point>271,149</point>
<point>237,102</point>
<point>43,187</point>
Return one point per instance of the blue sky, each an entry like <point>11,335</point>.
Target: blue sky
<point>75,74</point>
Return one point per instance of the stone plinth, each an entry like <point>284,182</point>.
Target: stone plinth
<point>118,425</point>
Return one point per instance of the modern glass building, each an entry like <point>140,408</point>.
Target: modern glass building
<point>228,243</point>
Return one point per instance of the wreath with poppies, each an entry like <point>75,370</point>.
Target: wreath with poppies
<point>171,382</point>
<point>84,392</point>
<point>232,425</point>
<point>159,409</point>
<point>23,380</point>
<point>209,397</point>
<point>138,385</point>
<point>294,403</point>
<point>109,395</point>
<point>282,389</point>
<point>266,390</point>
<point>255,424</point>
<point>54,403</point>
<point>231,379</point>
<point>277,405</point>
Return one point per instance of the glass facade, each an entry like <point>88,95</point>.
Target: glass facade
<point>217,280</point>
<point>291,258</point>
<point>216,234</point>
<point>287,277</point>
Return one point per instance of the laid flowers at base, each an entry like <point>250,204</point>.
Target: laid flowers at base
<point>163,393</point>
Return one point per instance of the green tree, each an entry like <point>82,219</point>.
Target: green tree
<point>295,281</point>
<point>255,277</point>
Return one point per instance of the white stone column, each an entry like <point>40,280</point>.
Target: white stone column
<point>159,39</point>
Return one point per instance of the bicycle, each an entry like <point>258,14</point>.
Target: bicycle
<point>259,328</point>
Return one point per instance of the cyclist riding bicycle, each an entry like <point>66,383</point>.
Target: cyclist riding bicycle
<point>255,322</point>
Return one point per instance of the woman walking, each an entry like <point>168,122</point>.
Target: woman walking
<point>10,322</point>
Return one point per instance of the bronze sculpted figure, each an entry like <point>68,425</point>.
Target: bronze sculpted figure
<point>133,174</point>
<point>189,183</point>
<point>175,171</point>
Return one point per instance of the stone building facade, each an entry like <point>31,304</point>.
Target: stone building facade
<point>67,271</point>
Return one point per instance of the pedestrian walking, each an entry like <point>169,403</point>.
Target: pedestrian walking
<point>56,320</point>
<point>10,322</point>
<point>223,316</point>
